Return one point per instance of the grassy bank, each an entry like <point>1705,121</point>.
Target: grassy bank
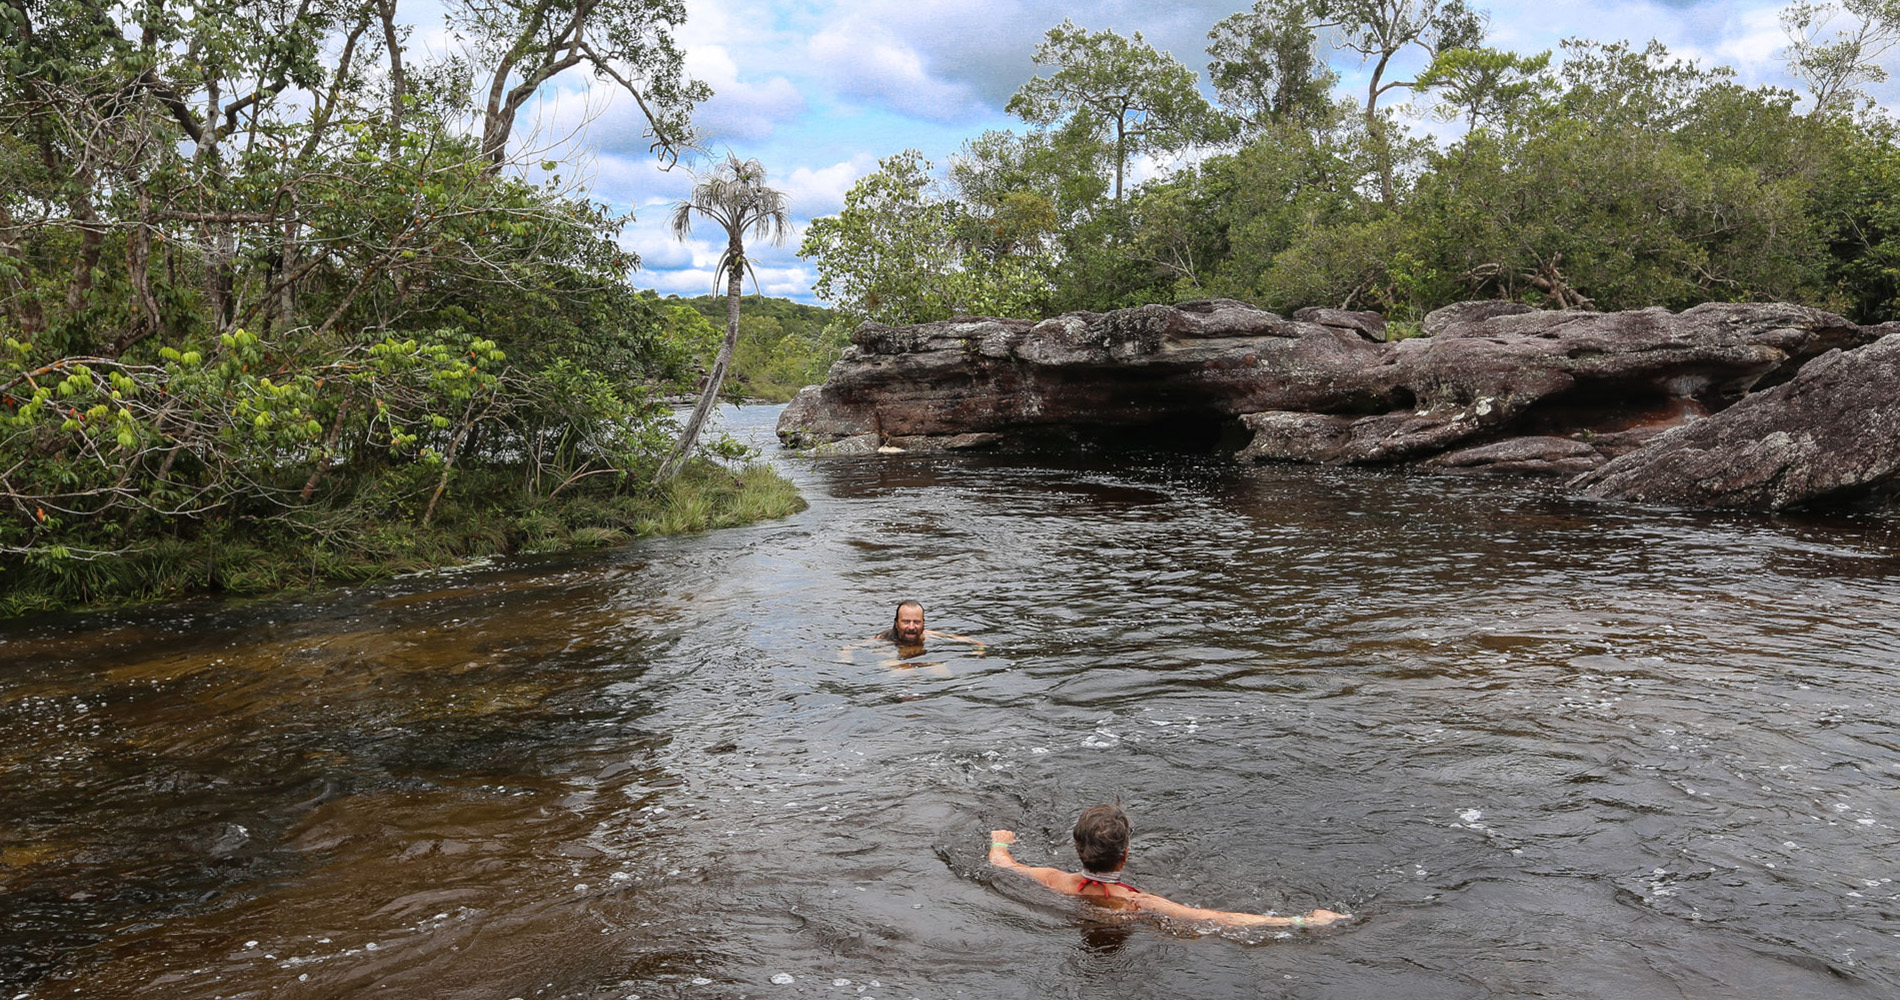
<point>324,546</point>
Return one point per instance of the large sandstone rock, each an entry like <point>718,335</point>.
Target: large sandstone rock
<point>1831,431</point>
<point>1143,367</point>
<point>1498,388</point>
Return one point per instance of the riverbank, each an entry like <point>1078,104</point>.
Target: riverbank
<point>325,546</point>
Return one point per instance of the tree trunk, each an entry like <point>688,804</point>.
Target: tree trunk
<point>735,275</point>
<point>138,257</point>
<point>1381,149</point>
<point>27,309</point>
<point>1121,154</point>
<point>398,84</point>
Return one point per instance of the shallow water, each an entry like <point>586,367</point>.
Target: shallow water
<point>1544,747</point>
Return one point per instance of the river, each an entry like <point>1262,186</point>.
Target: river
<point>1540,746</point>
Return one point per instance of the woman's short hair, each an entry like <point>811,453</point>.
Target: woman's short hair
<point>1101,838</point>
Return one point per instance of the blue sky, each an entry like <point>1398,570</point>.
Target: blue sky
<point>820,90</point>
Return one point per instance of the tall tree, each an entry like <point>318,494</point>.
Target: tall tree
<point>526,43</point>
<point>733,195</point>
<point>904,252</point>
<point>1380,30</point>
<point>1481,85</point>
<point>1834,67</point>
<point>1119,87</point>
<point>1265,66</point>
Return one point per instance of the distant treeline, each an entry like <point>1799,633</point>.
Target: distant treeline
<point>783,345</point>
<point>1602,175</point>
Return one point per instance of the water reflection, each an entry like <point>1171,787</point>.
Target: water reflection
<point>1546,747</point>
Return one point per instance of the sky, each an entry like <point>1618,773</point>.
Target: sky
<point>820,90</point>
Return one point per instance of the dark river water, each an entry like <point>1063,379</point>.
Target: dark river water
<point>1541,747</point>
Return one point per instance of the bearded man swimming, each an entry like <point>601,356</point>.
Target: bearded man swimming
<point>907,633</point>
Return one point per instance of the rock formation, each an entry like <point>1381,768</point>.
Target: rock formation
<point>1495,387</point>
<point>1831,431</point>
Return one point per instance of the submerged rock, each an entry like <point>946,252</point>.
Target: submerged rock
<point>1524,456</point>
<point>1497,387</point>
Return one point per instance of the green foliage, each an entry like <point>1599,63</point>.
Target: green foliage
<point>1114,88</point>
<point>903,252</point>
<point>1856,206</point>
<point>274,312</point>
<point>488,515</point>
<point>783,345</point>
<point>1483,85</point>
<point>1265,67</point>
<point>1607,176</point>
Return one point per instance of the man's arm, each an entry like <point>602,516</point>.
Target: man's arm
<point>1067,882</point>
<point>844,654</point>
<point>1054,878</point>
<point>1170,908</point>
<point>952,636</point>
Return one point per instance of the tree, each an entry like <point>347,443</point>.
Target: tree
<point>734,195</point>
<point>887,256</point>
<point>1646,182</point>
<point>1857,203</point>
<point>1292,181</point>
<point>1618,86</point>
<point>251,239</point>
<point>1265,66</point>
<point>1379,30</point>
<point>526,43</point>
<point>1110,85</point>
<point>904,252</point>
<point>1484,84</point>
<point>1834,69</point>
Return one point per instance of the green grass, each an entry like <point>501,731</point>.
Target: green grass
<point>483,514</point>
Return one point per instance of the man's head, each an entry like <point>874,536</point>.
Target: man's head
<point>908,626</point>
<point>1101,838</point>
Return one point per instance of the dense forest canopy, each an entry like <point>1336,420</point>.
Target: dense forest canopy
<point>1601,175</point>
<point>277,285</point>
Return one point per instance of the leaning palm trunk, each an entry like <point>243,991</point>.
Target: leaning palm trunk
<point>709,396</point>
<point>735,196</point>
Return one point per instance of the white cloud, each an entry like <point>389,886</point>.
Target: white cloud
<point>865,61</point>
<point>738,110</point>
<point>685,282</point>
<point>789,282</point>
<point>813,193</point>
<point>1753,43</point>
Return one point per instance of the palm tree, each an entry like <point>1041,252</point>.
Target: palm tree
<point>735,196</point>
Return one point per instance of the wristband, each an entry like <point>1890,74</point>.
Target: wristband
<point>999,843</point>
<point>1299,921</point>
